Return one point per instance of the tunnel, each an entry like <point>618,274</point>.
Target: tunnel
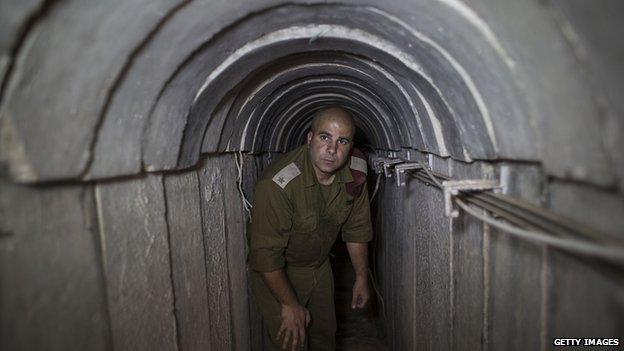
<point>132,134</point>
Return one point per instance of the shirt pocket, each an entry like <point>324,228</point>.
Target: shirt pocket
<point>305,222</point>
<point>303,245</point>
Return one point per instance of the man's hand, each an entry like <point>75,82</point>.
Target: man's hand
<point>295,318</point>
<point>361,293</point>
<point>359,257</point>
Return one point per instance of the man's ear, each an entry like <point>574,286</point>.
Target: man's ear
<point>310,134</point>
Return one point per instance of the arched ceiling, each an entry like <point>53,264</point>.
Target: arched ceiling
<point>405,89</point>
<point>203,76</point>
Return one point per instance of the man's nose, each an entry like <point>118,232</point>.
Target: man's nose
<point>331,148</point>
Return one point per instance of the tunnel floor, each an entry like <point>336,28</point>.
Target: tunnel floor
<point>357,329</point>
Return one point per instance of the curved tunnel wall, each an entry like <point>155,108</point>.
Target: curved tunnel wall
<point>463,86</point>
<point>468,86</point>
<point>117,115</point>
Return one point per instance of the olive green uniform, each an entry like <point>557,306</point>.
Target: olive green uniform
<point>294,225</point>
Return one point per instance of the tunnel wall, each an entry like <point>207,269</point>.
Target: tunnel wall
<point>152,262</point>
<point>115,244</point>
<point>458,284</point>
<point>541,91</point>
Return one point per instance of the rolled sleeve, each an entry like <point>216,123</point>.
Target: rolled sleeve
<point>271,221</point>
<point>358,227</point>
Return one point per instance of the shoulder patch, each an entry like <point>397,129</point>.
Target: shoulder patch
<point>288,173</point>
<point>358,164</point>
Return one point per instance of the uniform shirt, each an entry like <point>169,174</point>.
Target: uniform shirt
<point>293,224</point>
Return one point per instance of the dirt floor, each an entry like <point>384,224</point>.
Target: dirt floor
<point>357,329</point>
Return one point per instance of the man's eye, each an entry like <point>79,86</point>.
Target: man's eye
<point>344,141</point>
<point>323,137</point>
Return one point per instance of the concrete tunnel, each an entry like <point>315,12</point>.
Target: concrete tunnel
<point>132,133</point>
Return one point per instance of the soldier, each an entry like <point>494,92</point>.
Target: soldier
<point>302,202</point>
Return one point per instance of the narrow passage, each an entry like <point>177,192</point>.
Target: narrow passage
<point>357,329</point>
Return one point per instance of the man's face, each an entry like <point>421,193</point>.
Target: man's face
<point>330,145</point>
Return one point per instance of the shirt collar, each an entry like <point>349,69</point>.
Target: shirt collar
<point>342,176</point>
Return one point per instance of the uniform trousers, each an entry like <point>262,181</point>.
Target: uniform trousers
<point>314,287</point>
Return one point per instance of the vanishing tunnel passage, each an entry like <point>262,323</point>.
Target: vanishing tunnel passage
<point>404,89</point>
<point>132,133</point>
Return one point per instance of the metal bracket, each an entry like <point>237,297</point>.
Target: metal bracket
<point>400,171</point>
<point>452,188</point>
<point>389,162</point>
<point>377,163</point>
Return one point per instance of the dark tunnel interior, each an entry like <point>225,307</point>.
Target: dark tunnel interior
<point>132,134</point>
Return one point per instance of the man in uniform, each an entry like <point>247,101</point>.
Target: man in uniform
<point>302,202</point>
